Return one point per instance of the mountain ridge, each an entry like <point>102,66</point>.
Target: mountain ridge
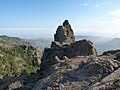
<point>101,43</point>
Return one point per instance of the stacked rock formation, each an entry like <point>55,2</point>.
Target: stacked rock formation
<point>64,45</point>
<point>64,33</point>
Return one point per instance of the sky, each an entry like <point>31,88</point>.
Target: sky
<point>40,18</point>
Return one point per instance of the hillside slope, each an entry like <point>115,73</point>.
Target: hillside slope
<point>17,57</point>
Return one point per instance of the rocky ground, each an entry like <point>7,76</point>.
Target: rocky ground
<point>77,73</point>
<point>80,73</point>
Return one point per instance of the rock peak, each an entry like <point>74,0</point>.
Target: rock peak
<point>66,24</point>
<point>64,33</point>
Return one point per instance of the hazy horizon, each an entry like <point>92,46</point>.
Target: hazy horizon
<point>40,18</point>
<point>24,33</point>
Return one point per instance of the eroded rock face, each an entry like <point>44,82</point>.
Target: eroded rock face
<point>64,33</point>
<point>79,48</point>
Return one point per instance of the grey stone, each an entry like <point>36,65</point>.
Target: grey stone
<point>64,33</point>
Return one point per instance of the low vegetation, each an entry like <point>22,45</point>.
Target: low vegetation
<point>15,60</point>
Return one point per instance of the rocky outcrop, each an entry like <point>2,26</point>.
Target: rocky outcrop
<point>113,53</point>
<point>78,73</point>
<point>64,33</point>
<point>79,48</point>
<point>64,46</point>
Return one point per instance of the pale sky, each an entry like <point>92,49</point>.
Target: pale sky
<point>40,18</point>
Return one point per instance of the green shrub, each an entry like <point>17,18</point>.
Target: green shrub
<point>30,69</point>
<point>14,60</point>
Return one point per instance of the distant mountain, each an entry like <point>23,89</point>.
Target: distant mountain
<point>94,39</point>
<point>12,40</point>
<point>102,43</point>
<point>115,43</point>
<point>109,45</point>
<point>41,42</point>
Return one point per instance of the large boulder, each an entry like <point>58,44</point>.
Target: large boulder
<point>64,33</point>
<point>79,48</point>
